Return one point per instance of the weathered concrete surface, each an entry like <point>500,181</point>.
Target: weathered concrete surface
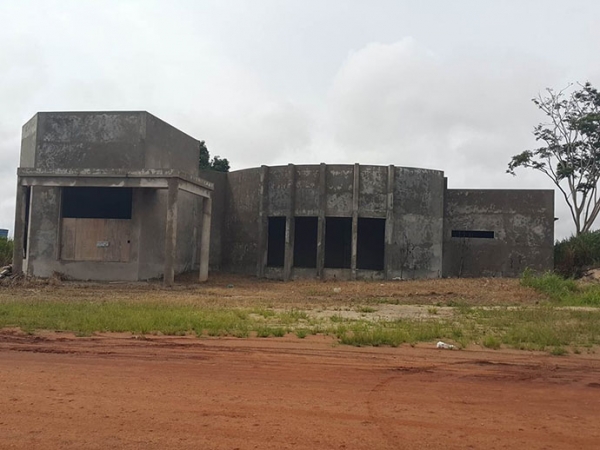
<point>125,140</point>
<point>523,224</point>
<point>219,206</point>
<point>240,243</point>
<point>416,250</point>
<point>113,149</point>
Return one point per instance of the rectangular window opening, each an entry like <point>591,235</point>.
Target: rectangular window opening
<point>474,234</point>
<point>305,242</point>
<point>97,203</point>
<point>276,242</point>
<point>371,244</point>
<point>338,242</point>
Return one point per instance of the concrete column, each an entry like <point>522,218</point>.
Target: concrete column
<point>19,231</point>
<point>288,261</point>
<point>389,224</point>
<point>171,232</point>
<point>321,219</point>
<point>354,249</point>
<point>205,238</point>
<point>263,222</point>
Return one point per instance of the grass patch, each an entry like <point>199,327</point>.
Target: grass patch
<point>566,292</point>
<point>546,327</point>
<point>491,342</point>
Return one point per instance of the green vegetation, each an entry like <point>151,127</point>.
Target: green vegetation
<point>550,328</point>
<point>6,251</point>
<point>561,291</point>
<point>572,256</point>
<point>205,162</point>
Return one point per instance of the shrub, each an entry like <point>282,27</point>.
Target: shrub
<point>6,251</point>
<point>572,256</point>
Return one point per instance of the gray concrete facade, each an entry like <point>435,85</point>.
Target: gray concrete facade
<point>522,223</point>
<point>283,222</point>
<point>167,226</point>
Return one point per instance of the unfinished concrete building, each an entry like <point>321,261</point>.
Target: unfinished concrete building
<point>110,196</point>
<point>119,196</point>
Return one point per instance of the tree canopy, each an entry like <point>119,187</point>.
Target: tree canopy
<point>217,163</point>
<point>570,151</point>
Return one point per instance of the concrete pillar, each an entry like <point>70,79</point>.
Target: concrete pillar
<point>354,249</point>
<point>19,230</point>
<point>205,238</point>
<point>389,224</point>
<point>288,260</point>
<point>263,222</point>
<point>321,220</point>
<point>171,232</point>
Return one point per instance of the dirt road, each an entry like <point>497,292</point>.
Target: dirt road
<point>119,392</point>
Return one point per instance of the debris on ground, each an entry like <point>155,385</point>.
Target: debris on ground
<point>441,344</point>
<point>6,271</point>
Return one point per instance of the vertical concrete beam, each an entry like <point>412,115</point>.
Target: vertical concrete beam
<point>263,222</point>
<point>288,260</point>
<point>321,220</point>
<point>354,248</point>
<point>205,238</point>
<point>19,230</point>
<point>171,232</point>
<point>389,224</point>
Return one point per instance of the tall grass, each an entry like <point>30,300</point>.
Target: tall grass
<point>565,292</point>
<point>6,251</point>
<point>572,256</point>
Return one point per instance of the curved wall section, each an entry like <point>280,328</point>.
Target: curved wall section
<point>342,221</point>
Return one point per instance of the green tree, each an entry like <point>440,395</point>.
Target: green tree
<point>570,154</point>
<point>204,161</point>
<point>217,163</point>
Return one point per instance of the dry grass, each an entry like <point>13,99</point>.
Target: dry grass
<point>225,290</point>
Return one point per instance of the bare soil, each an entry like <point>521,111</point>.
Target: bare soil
<point>125,392</point>
<point>242,291</point>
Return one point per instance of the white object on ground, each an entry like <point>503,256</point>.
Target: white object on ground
<point>337,290</point>
<point>441,344</point>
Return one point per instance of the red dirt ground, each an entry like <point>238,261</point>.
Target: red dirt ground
<point>119,392</point>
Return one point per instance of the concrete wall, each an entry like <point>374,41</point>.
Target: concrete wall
<point>43,249</point>
<point>240,240</point>
<point>523,226</point>
<point>416,247</point>
<point>123,141</point>
<point>118,140</point>
<point>112,140</point>
<point>418,223</point>
<point>219,207</point>
<point>169,148</point>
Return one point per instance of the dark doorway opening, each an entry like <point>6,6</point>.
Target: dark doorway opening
<point>276,242</point>
<point>96,203</point>
<point>338,242</point>
<point>305,242</point>
<point>371,244</point>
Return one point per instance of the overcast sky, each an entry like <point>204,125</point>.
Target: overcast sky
<point>437,84</point>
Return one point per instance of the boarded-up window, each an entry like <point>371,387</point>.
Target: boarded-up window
<point>96,224</point>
